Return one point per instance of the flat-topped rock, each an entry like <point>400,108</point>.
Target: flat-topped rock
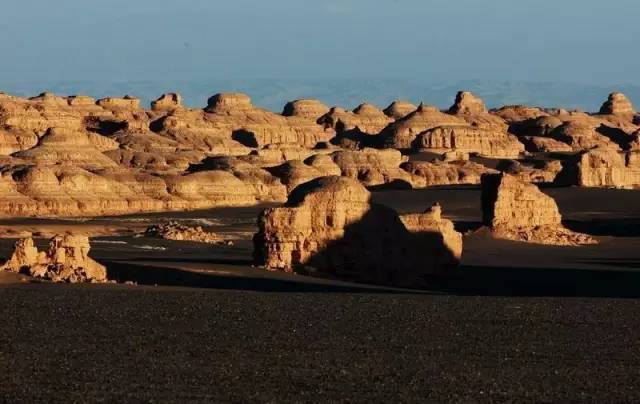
<point>305,108</point>
<point>228,102</point>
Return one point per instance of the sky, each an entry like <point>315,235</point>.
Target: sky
<point>580,41</point>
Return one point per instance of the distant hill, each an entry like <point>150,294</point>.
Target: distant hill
<point>274,93</point>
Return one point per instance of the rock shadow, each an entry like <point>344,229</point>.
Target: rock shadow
<point>245,137</point>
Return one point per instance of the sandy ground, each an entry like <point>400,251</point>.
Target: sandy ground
<point>518,323</point>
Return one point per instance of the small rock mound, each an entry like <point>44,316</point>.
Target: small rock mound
<point>167,102</point>
<point>66,260</point>
<point>467,103</point>
<point>226,102</point>
<point>175,231</point>
<point>617,104</point>
<point>398,109</point>
<point>516,210</point>
<point>306,108</point>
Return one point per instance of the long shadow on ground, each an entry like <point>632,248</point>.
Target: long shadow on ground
<point>468,280</point>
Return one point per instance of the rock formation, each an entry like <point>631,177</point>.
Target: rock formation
<point>328,225</point>
<point>167,102</point>
<point>66,260</point>
<point>365,117</point>
<point>603,167</point>
<point>617,104</point>
<point>372,166</point>
<point>175,231</point>
<point>399,109</point>
<point>309,109</point>
<point>469,139</point>
<point>516,210</point>
<point>402,133</point>
<point>426,174</point>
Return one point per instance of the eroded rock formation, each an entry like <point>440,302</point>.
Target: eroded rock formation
<point>66,260</point>
<point>328,225</point>
<point>175,231</point>
<point>517,210</point>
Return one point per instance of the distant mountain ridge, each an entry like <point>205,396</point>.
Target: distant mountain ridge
<point>274,93</point>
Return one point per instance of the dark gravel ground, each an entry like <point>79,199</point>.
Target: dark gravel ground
<point>145,344</point>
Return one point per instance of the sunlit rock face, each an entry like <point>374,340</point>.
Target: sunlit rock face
<point>328,225</point>
<point>517,210</point>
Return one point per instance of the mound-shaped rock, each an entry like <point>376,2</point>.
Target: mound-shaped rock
<point>399,109</point>
<point>617,104</point>
<point>582,134</point>
<point>305,108</point>
<point>518,113</point>
<point>61,145</point>
<point>437,172</point>
<point>329,225</point>
<point>66,260</point>
<point>402,133</point>
<point>537,171</point>
<point>539,144</point>
<point>365,117</point>
<point>517,210</point>
<point>167,102</point>
<point>372,166</point>
<point>469,139</point>
<point>175,231</point>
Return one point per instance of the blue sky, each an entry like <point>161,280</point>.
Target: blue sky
<point>583,41</point>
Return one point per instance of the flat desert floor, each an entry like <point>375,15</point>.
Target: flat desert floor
<point>517,323</point>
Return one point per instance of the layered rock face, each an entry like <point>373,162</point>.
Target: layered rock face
<point>231,121</point>
<point>517,210</point>
<point>329,225</point>
<point>66,260</point>
<point>402,133</point>
<point>426,174</point>
<point>175,231</point>
<point>617,104</point>
<point>469,139</point>
<point>605,168</point>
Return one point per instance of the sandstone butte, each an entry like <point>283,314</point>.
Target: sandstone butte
<point>77,156</point>
<point>175,231</point>
<point>328,226</point>
<point>66,260</point>
<point>519,211</point>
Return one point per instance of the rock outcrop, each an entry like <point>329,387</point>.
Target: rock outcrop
<point>469,139</point>
<point>426,174</point>
<point>399,109</point>
<point>365,117</point>
<point>604,168</point>
<point>178,232</point>
<point>305,108</point>
<point>617,104</point>
<point>66,260</point>
<point>516,210</point>
<point>328,225</point>
<point>402,133</point>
